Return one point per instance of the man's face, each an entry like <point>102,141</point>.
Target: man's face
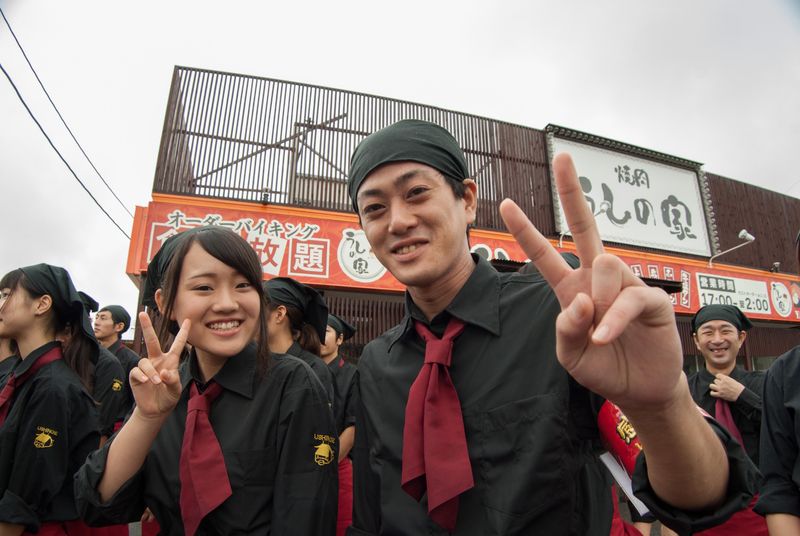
<point>415,225</point>
<point>719,342</point>
<point>104,327</point>
<point>330,345</point>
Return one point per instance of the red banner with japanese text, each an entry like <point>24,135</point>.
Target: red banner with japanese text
<point>329,249</point>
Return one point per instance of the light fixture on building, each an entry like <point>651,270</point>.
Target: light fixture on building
<point>743,235</point>
<point>776,267</point>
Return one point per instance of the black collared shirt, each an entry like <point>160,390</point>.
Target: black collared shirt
<point>344,376</point>
<point>109,391</point>
<point>50,429</point>
<point>5,367</point>
<point>129,360</point>
<point>780,438</point>
<point>531,430</point>
<point>746,410</point>
<point>270,431</point>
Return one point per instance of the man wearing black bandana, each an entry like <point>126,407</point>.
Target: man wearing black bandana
<point>110,323</point>
<point>729,393</point>
<point>779,498</point>
<point>467,423</point>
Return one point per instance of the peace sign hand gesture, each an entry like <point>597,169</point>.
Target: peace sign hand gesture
<point>155,382</point>
<point>615,335</point>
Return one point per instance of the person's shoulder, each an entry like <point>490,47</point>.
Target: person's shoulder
<point>787,365</point>
<point>379,346</point>
<point>287,369</point>
<point>106,360</point>
<point>57,381</point>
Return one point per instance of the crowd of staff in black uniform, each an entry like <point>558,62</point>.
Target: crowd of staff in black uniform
<point>477,414</point>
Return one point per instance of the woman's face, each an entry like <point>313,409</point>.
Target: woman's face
<point>220,302</point>
<point>17,311</point>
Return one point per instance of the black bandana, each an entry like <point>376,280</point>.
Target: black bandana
<point>341,327</point>
<point>67,303</point>
<point>118,314</point>
<point>89,303</point>
<point>158,265</point>
<point>728,313</point>
<point>287,291</point>
<point>407,140</point>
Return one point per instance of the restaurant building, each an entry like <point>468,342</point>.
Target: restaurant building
<point>269,159</point>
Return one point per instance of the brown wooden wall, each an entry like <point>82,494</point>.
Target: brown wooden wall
<point>771,217</point>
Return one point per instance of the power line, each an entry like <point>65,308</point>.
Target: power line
<point>59,114</point>
<point>13,85</point>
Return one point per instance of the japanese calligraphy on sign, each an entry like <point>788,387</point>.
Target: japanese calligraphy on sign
<point>637,201</point>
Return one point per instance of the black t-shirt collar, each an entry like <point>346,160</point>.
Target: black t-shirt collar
<point>24,364</point>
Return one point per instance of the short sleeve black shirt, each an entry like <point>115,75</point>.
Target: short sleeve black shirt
<point>270,431</point>
<point>109,391</point>
<point>344,376</point>
<point>50,429</point>
<point>129,360</point>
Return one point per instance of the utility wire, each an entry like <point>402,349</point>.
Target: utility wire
<point>13,85</point>
<point>59,114</point>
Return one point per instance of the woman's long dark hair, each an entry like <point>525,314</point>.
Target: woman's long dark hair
<point>303,332</point>
<point>77,354</point>
<point>231,249</point>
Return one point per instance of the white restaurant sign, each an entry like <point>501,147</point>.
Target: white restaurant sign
<point>638,201</point>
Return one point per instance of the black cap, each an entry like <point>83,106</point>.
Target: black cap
<point>728,313</point>
<point>408,140</point>
<point>287,291</point>
<point>340,326</point>
<point>118,314</point>
<point>89,303</point>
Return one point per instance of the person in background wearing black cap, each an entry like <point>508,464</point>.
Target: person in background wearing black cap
<point>110,323</point>
<point>48,421</point>
<point>235,440</point>
<point>466,422</point>
<point>729,393</point>
<point>297,320</point>
<point>108,382</point>
<point>344,376</point>
<point>779,498</point>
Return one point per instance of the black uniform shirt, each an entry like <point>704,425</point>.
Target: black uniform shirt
<point>344,376</point>
<point>530,428</point>
<point>49,430</point>
<point>129,360</point>
<point>320,369</point>
<point>5,367</point>
<point>780,437</point>
<point>109,391</point>
<point>746,410</point>
<point>271,432</point>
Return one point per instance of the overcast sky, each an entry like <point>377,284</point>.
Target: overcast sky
<point>709,81</point>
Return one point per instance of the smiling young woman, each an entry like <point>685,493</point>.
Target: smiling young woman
<point>260,420</point>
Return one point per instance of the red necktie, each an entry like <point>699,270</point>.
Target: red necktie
<point>204,478</point>
<point>722,412</point>
<point>7,394</point>
<point>435,456</point>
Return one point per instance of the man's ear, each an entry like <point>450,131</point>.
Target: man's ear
<point>694,338</point>
<point>470,199</point>
<point>118,327</point>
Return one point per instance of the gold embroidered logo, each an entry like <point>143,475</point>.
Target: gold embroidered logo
<point>323,454</point>
<point>116,385</point>
<point>44,438</point>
